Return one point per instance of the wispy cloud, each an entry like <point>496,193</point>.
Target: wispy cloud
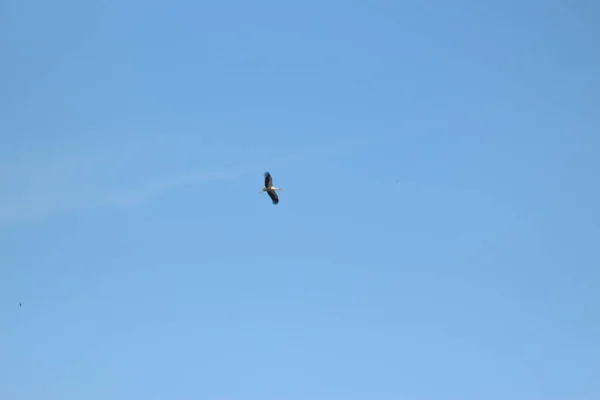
<point>36,189</point>
<point>156,187</point>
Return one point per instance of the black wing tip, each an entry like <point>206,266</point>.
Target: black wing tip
<point>273,196</point>
<point>267,174</point>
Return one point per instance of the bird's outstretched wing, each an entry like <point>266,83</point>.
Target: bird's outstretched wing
<point>273,195</point>
<point>268,180</point>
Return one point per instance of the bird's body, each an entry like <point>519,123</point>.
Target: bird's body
<point>270,189</point>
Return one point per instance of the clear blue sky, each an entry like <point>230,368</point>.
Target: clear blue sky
<point>438,236</point>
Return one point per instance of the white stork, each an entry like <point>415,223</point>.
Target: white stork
<point>270,189</point>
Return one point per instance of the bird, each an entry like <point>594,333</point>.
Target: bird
<point>270,189</point>
<point>19,304</point>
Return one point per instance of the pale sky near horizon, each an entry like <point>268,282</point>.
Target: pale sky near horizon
<point>438,234</point>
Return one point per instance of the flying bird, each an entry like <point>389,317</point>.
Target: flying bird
<point>270,189</point>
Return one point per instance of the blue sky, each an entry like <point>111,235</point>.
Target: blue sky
<point>438,233</point>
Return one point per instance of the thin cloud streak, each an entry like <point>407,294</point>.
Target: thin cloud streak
<point>31,196</point>
<point>160,186</point>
